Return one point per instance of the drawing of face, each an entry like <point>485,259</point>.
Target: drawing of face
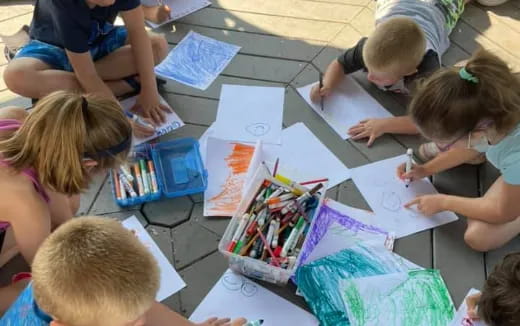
<point>235,282</point>
<point>258,129</point>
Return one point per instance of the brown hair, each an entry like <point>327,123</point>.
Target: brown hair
<point>499,303</point>
<point>59,133</point>
<point>446,106</point>
<point>93,271</point>
<point>397,44</point>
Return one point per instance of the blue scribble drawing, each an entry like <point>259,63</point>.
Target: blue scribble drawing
<point>197,60</point>
<point>319,280</point>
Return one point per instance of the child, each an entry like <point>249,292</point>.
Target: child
<point>74,46</point>
<point>92,271</point>
<point>408,42</point>
<point>497,305</point>
<point>155,11</point>
<point>479,103</point>
<point>47,157</point>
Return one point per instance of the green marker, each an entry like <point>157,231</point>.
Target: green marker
<point>292,237</point>
<point>144,175</point>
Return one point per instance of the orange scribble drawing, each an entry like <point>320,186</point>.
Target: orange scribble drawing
<point>226,202</point>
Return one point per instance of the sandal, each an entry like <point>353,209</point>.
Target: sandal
<point>15,42</point>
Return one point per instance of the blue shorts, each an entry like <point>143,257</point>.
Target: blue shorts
<point>56,57</point>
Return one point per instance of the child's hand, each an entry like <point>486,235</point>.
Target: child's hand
<point>163,14</point>
<point>149,106</point>
<point>472,302</point>
<point>223,322</point>
<point>141,131</point>
<point>417,173</point>
<point>317,93</point>
<point>368,128</point>
<point>428,205</point>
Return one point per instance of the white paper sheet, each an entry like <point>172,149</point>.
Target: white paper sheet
<point>197,60</point>
<point>180,8</point>
<point>171,282</point>
<point>386,194</point>
<point>235,296</point>
<point>348,104</point>
<point>418,298</point>
<point>203,143</point>
<point>461,317</point>
<point>228,164</point>
<point>250,113</point>
<point>172,121</point>
<point>303,157</point>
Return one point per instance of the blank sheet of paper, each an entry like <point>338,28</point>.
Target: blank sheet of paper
<point>235,296</point>
<point>461,317</point>
<point>348,104</point>
<point>171,282</point>
<point>172,121</point>
<point>387,194</point>
<point>250,113</point>
<point>180,8</point>
<point>304,157</point>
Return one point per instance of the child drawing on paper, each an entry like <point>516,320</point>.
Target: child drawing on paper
<point>238,163</point>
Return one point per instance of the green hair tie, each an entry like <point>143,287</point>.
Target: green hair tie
<point>464,74</point>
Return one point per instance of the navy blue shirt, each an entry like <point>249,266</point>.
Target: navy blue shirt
<point>72,25</point>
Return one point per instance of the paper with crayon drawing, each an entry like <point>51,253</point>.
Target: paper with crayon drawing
<point>348,104</point>
<point>236,296</point>
<point>172,121</point>
<point>386,194</point>
<point>171,282</point>
<point>461,317</point>
<point>180,8</point>
<point>413,298</point>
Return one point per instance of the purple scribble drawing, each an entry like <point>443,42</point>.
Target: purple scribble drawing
<point>324,219</point>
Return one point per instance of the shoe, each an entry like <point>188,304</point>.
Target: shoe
<point>491,3</point>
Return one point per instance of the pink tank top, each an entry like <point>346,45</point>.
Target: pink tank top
<point>11,124</point>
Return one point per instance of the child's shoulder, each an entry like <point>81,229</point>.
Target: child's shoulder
<point>23,311</point>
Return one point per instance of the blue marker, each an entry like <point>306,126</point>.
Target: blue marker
<point>139,120</point>
<point>255,323</point>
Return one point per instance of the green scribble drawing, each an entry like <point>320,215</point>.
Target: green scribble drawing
<point>413,298</point>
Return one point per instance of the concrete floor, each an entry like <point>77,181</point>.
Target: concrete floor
<point>285,43</point>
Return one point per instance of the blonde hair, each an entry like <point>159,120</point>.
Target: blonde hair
<point>93,271</point>
<point>447,106</point>
<point>396,45</point>
<point>58,134</point>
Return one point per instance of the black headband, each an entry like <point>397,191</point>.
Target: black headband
<point>111,151</point>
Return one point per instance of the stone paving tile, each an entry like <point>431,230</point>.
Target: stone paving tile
<point>87,198</point>
<point>168,212</point>
<point>217,225</point>
<point>121,216</point>
<point>191,109</point>
<point>106,203</point>
<point>197,198</point>
<point>200,278</point>
<point>192,242</point>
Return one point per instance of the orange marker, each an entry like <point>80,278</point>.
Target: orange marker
<point>117,185</point>
<point>139,181</point>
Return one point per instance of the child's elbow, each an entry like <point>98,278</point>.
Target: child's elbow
<point>505,214</point>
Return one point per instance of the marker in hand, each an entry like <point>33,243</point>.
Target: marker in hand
<point>139,120</point>
<point>321,86</point>
<point>408,168</point>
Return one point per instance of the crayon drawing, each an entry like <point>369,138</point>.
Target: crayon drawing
<point>413,298</point>
<point>387,194</point>
<point>235,296</point>
<point>228,164</point>
<point>338,222</point>
<point>319,280</point>
<point>461,317</point>
<point>197,60</point>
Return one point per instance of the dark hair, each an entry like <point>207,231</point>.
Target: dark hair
<point>499,304</point>
<point>446,106</point>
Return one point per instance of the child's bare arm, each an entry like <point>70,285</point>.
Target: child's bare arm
<point>373,128</point>
<point>87,75</point>
<point>331,79</point>
<point>160,315</point>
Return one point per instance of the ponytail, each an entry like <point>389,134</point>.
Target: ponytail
<point>58,133</point>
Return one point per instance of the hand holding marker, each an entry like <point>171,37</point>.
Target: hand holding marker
<point>409,162</point>
<point>139,120</point>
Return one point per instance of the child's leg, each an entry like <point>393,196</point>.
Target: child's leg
<point>484,236</point>
<point>9,294</point>
<point>156,14</point>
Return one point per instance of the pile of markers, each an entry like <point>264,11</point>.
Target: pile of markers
<point>135,180</point>
<point>275,224</point>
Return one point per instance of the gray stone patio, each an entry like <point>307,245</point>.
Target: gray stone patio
<point>286,43</point>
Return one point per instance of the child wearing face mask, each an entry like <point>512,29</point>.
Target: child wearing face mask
<point>478,105</point>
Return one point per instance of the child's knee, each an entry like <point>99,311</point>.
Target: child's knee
<point>159,47</point>
<point>14,77</point>
<point>476,239</point>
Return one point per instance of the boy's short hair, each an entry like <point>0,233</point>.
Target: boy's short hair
<point>93,271</point>
<point>397,44</point>
<point>499,303</point>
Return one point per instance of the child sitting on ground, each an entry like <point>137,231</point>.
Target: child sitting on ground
<point>479,105</point>
<point>497,305</point>
<point>47,158</point>
<point>75,46</point>
<point>408,42</point>
<point>92,271</point>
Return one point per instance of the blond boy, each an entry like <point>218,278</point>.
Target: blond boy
<point>92,271</point>
<point>408,42</point>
